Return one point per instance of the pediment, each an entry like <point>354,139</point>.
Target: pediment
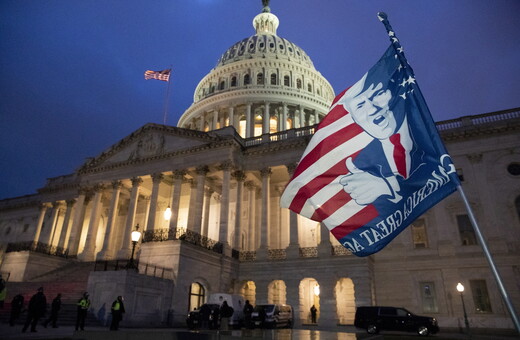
<point>150,141</point>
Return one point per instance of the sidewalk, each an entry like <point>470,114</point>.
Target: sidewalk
<point>102,333</point>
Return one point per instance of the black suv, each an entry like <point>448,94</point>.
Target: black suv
<point>210,320</point>
<point>377,318</point>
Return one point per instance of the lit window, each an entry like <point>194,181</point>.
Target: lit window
<point>197,295</point>
<point>419,235</point>
<point>428,297</point>
<point>480,296</point>
<point>466,232</point>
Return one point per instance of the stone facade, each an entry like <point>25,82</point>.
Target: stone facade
<point>221,174</point>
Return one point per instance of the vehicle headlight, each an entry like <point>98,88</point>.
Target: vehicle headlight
<point>434,321</point>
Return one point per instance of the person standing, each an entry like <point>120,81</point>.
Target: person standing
<point>36,310</point>
<point>55,308</point>
<point>16,308</point>
<point>226,312</point>
<point>313,314</point>
<point>83,305</point>
<point>118,309</point>
<point>248,310</point>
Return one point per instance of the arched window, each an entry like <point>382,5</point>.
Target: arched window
<point>247,79</point>
<point>197,295</point>
<point>233,81</point>
<point>286,81</point>
<point>222,85</point>
<point>298,83</point>
<point>309,87</point>
<point>273,78</point>
<point>212,88</point>
<point>260,79</point>
<point>318,92</point>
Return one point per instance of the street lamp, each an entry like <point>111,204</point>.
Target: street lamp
<point>136,235</point>
<point>460,289</point>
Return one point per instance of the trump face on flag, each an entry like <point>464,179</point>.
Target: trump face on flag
<point>375,162</point>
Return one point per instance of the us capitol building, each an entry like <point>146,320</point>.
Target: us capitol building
<point>220,174</point>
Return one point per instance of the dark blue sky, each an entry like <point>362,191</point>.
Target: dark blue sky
<point>71,71</point>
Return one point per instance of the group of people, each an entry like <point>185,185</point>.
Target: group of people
<point>37,309</point>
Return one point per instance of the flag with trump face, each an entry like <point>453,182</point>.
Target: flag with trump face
<point>375,163</point>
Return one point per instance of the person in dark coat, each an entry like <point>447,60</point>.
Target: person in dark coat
<point>55,308</point>
<point>226,312</point>
<point>16,308</point>
<point>313,314</point>
<point>36,310</point>
<point>248,310</point>
<point>118,309</point>
<point>204,313</point>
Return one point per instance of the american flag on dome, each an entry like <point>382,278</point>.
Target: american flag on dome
<point>376,161</point>
<point>163,75</point>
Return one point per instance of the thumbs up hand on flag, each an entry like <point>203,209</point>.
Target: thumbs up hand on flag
<point>363,187</point>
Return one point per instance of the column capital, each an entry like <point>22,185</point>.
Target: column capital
<point>136,181</point>
<point>71,202</point>
<point>209,191</point>
<point>157,177</point>
<point>250,185</point>
<point>45,205</point>
<point>179,173</point>
<point>291,167</point>
<point>98,188</point>
<point>266,172</point>
<point>226,165</point>
<point>239,175</point>
<point>202,170</point>
<point>117,184</point>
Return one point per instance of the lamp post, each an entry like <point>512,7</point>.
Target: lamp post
<point>136,235</point>
<point>460,289</point>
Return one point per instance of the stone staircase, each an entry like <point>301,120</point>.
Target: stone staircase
<point>70,280</point>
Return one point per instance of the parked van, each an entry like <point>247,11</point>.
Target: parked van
<point>376,318</point>
<point>234,301</point>
<point>272,315</point>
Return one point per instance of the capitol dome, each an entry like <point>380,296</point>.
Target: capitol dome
<point>262,84</point>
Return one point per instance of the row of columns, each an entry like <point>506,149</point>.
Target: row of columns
<point>218,119</point>
<point>69,233</point>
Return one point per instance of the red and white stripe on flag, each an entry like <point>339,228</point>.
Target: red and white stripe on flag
<point>314,190</point>
<point>163,75</point>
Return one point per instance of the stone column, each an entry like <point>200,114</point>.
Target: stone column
<point>152,213</point>
<point>112,215</point>
<point>207,205</point>
<point>251,214</point>
<point>39,224</point>
<point>79,218</point>
<point>316,117</point>
<point>239,176</point>
<point>65,228</point>
<point>215,119</point>
<point>293,299</point>
<point>293,251</point>
<point>88,253</point>
<point>198,204</point>
<point>284,117</point>
<point>302,116</point>
<point>124,252</point>
<point>49,233</point>
<point>178,176</point>
<point>266,119</point>
<point>261,254</point>
<point>224,204</point>
<point>191,208</point>
<point>231,115</point>
<point>328,312</point>
<point>249,121</point>
<point>325,246</point>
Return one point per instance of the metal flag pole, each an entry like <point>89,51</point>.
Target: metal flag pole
<point>399,51</point>
<point>167,98</point>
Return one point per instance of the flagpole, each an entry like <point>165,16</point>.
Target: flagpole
<point>482,241</point>
<point>166,99</point>
<point>399,51</point>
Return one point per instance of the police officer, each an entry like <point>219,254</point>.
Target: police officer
<point>83,305</point>
<point>118,309</point>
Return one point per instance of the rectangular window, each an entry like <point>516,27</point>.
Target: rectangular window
<point>466,232</point>
<point>428,297</point>
<point>419,235</point>
<point>480,296</point>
